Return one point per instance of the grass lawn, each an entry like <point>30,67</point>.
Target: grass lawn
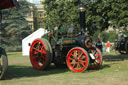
<point>114,71</point>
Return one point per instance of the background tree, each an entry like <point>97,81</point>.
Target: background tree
<point>59,12</point>
<point>99,16</point>
<point>105,36</point>
<point>104,13</point>
<point>14,25</point>
<point>118,12</point>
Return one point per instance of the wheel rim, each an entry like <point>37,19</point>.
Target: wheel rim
<point>88,43</point>
<point>1,65</point>
<point>77,60</point>
<point>98,61</point>
<point>38,54</point>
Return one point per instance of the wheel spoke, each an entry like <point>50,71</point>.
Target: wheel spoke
<point>42,48</point>
<point>74,65</point>
<point>78,66</point>
<point>82,64</point>
<point>80,55</point>
<point>83,57</point>
<point>73,61</point>
<point>39,45</point>
<point>76,53</point>
<point>73,56</point>
<point>36,49</point>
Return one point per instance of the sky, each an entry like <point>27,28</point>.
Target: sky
<point>35,1</point>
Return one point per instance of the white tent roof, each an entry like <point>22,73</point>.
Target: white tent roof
<point>29,39</point>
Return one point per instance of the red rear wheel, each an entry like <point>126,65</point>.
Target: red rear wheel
<point>40,56</point>
<point>98,59</point>
<point>77,59</point>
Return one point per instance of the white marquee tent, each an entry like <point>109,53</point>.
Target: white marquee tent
<point>29,39</point>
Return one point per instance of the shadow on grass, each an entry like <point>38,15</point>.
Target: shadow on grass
<point>104,66</point>
<point>16,71</point>
<point>115,57</point>
<point>101,68</point>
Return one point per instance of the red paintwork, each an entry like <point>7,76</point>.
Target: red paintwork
<point>38,54</point>
<point>77,60</point>
<point>86,43</point>
<point>67,41</point>
<point>6,4</point>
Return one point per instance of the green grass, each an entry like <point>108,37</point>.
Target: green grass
<point>114,71</point>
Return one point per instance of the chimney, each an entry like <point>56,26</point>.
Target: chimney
<point>82,17</point>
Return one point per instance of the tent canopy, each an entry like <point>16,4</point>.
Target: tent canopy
<point>7,4</point>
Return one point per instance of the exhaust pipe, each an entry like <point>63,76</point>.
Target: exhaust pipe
<point>82,17</point>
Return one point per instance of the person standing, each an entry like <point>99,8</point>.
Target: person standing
<point>99,45</point>
<point>108,46</point>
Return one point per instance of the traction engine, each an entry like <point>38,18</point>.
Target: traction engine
<point>121,44</point>
<point>66,45</point>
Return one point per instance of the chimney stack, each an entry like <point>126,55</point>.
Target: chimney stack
<point>82,10</point>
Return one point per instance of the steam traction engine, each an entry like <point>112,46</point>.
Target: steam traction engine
<point>3,57</point>
<point>66,46</point>
<point>121,44</point>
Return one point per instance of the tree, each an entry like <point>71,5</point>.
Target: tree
<point>104,13</point>
<point>60,12</point>
<point>118,13</point>
<point>99,13</point>
<point>14,25</point>
<point>105,36</point>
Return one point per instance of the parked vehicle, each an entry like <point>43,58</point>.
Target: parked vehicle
<point>121,44</point>
<point>67,45</point>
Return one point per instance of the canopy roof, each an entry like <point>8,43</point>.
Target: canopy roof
<point>7,4</point>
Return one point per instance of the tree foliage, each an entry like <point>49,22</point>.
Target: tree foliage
<point>59,12</point>
<point>100,14</point>
<point>14,25</point>
<point>105,36</point>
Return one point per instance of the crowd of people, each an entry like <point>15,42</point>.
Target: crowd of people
<point>107,47</point>
<point>102,46</point>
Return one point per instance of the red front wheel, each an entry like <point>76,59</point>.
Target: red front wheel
<point>77,59</point>
<point>40,54</point>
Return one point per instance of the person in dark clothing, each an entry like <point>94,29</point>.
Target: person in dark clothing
<point>99,44</point>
